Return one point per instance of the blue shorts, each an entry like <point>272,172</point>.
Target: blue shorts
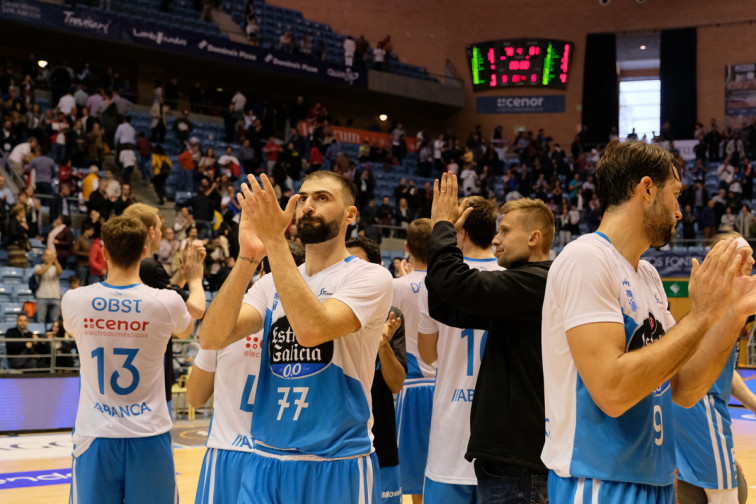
<point>220,478</point>
<point>414,406</point>
<point>435,492</point>
<point>270,480</point>
<point>569,491</point>
<point>117,470</point>
<point>391,485</point>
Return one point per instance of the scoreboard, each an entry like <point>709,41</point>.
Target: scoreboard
<point>519,63</point>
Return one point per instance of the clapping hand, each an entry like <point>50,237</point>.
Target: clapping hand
<point>445,206</point>
<point>389,328</point>
<point>261,213</point>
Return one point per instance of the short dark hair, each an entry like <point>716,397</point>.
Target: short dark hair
<point>624,164</point>
<point>480,225</point>
<point>371,248</point>
<point>297,252</point>
<point>124,238</point>
<point>418,239</point>
<point>348,189</point>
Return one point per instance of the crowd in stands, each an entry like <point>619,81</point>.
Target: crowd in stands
<point>77,160</point>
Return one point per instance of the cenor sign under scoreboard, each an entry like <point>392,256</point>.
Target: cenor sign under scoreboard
<point>520,62</point>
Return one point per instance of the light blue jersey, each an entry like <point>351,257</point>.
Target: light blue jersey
<point>591,282</point>
<point>315,401</point>
<point>703,436</point>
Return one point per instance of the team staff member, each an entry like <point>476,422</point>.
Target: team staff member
<point>504,445</point>
<point>613,358</point>
<point>122,440</point>
<point>322,327</point>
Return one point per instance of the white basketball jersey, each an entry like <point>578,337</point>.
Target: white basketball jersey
<point>459,354</point>
<point>406,297</point>
<point>236,369</point>
<point>121,334</point>
<point>316,400</point>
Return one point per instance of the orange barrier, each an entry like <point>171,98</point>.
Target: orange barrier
<point>357,136</point>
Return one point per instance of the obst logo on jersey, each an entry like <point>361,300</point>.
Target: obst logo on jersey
<point>288,359</point>
<point>108,326</point>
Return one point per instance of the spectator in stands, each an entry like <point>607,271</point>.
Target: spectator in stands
<point>77,143</point>
<point>61,240</point>
<point>21,154</point>
<point>403,216</point>
<point>7,201</point>
<point>727,222</point>
<point>96,145</point>
<point>48,292</point>
<point>90,182</point>
<point>93,103</point>
<point>725,171</point>
<point>81,250</point>
<point>365,187</point>
<point>21,354</point>
<point>183,127</point>
<point>44,170</point>
<point>206,162</point>
<point>470,182</point>
<point>169,247</point>
<point>713,139</point>
<point>98,268</point>
<point>272,151</point>
<point>113,190</point>
<point>125,135</point>
<point>159,113</point>
<point>128,160</point>
<point>286,42</point>
<point>184,220</point>
<point>8,138</point>
<point>349,47</point>
<point>743,221</point>
<point>161,167</point>
<point>33,209</point>
<point>100,201</point>
<point>709,222</point>
<point>144,148</point>
<point>385,215</point>
<point>123,201</point>
<point>203,208</point>
<point>18,238</point>
<point>305,45</point>
<point>239,101</point>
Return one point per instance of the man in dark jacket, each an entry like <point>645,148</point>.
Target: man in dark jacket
<point>22,355</point>
<point>506,446</point>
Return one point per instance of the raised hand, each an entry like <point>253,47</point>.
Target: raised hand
<point>264,216</point>
<point>445,204</point>
<point>712,283</point>
<point>389,328</point>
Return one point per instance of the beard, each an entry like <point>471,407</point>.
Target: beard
<point>657,225</point>
<point>315,229</point>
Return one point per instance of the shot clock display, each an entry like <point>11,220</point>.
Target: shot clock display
<point>520,62</point>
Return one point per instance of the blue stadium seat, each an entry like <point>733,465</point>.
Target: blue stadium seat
<point>22,294</point>
<point>7,295</point>
<point>11,311</point>
<point>13,276</point>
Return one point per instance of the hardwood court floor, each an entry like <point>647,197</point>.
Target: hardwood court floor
<point>188,462</point>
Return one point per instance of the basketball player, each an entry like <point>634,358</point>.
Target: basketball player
<point>613,358</point>
<point>505,447</point>
<point>322,327</point>
<point>706,469</point>
<point>449,478</point>
<point>229,375</point>
<point>390,373</point>
<point>414,403</point>
<point>122,440</point>
<point>153,274</point>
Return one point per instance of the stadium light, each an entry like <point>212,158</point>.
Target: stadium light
<point>42,63</point>
<point>383,117</point>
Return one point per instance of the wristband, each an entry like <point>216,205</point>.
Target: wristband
<point>249,260</point>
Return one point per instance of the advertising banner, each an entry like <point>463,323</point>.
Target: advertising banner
<point>544,104</point>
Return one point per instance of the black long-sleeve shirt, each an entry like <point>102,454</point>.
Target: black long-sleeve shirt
<point>507,417</point>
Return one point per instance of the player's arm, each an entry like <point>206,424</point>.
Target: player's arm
<point>391,369</point>
<point>449,314</point>
<point>618,380</point>
<point>191,269</point>
<point>742,393</point>
<point>199,386</point>
<point>427,346</point>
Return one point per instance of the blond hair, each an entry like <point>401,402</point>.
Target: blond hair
<point>535,215</point>
<point>145,213</point>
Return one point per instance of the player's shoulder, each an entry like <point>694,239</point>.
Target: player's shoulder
<point>646,269</point>
<point>367,269</point>
<point>586,248</point>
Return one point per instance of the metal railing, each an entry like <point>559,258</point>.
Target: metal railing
<point>57,355</point>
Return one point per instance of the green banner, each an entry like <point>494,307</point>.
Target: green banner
<point>676,288</point>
